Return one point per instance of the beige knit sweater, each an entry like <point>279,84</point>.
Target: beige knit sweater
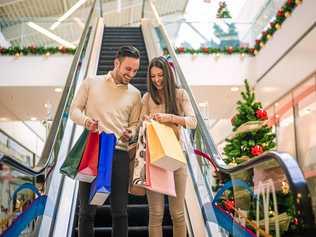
<point>115,106</point>
<point>149,107</point>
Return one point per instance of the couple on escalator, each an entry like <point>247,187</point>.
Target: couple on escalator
<point>109,103</point>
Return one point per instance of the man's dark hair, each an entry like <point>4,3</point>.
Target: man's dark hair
<point>127,51</point>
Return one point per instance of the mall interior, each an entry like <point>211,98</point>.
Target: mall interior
<point>249,71</point>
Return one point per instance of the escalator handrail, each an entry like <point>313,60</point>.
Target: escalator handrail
<point>52,136</point>
<point>287,163</point>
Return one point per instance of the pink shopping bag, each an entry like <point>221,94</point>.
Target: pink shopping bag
<point>158,179</point>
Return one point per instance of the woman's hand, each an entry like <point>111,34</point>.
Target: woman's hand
<point>163,118</point>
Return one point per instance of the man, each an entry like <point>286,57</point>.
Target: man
<point>110,104</point>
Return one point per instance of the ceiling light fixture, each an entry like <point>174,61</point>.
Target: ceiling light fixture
<point>33,118</point>
<point>67,14</point>
<point>50,35</point>
<point>235,88</point>
<point>4,119</point>
<point>58,90</point>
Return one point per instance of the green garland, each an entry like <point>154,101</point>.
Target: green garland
<point>280,17</point>
<point>228,50</point>
<point>266,35</point>
<point>32,50</point>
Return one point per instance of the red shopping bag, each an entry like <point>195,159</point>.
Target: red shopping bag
<point>88,167</point>
<point>158,179</point>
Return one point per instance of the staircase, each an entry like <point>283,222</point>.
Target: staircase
<point>113,38</point>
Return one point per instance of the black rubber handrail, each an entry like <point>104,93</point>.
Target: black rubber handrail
<point>52,137</point>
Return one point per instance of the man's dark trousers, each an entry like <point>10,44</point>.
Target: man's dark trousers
<point>118,200</point>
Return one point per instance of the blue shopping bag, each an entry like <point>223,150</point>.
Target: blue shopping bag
<point>101,186</point>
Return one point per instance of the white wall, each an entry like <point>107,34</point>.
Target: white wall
<point>34,70</point>
<point>208,70</point>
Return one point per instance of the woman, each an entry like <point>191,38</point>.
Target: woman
<point>170,105</point>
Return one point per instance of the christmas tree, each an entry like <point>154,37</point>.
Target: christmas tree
<point>222,11</point>
<point>251,134</point>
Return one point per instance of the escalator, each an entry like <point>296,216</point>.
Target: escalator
<point>61,192</point>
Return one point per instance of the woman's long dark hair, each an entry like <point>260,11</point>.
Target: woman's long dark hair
<point>168,82</point>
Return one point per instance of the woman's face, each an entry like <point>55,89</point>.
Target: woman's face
<point>156,75</point>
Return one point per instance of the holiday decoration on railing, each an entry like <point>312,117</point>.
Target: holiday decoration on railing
<point>251,134</point>
<point>285,11</point>
<point>228,50</point>
<point>222,11</point>
<point>33,50</point>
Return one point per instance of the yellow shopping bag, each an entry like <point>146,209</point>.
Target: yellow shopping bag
<point>164,147</point>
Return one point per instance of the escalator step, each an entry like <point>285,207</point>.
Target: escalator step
<point>137,216</point>
<point>136,231</point>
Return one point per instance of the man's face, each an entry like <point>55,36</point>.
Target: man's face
<point>126,69</point>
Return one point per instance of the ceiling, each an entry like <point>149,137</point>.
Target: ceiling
<point>15,14</point>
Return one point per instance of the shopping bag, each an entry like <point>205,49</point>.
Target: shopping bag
<point>72,161</point>
<point>164,147</point>
<point>138,163</point>
<point>101,186</point>
<point>89,163</point>
<point>158,179</point>
<point>133,189</point>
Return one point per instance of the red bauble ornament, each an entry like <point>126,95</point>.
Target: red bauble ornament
<point>289,1</point>
<point>1,50</point>
<point>230,50</point>
<point>261,114</point>
<point>205,50</point>
<point>181,50</point>
<point>62,50</point>
<point>256,150</point>
<point>295,221</point>
<point>229,205</point>
<point>280,13</point>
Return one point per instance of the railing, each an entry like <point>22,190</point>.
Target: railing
<point>288,183</point>
<point>13,148</point>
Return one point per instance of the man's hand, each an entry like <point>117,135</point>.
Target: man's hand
<point>162,118</point>
<point>126,136</point>
<point>91,124</point>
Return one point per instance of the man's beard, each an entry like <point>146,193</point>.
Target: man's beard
<point>124,80</point>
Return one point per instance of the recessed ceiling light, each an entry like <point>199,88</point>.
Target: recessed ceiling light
<point>4,119</point>
<point>276,104</point>
<point>269,89</point>
<point>203,104</point>
<point>51,35</point>
<point>33,118</point>
<point>68,13</point>
<point>58,90</point>
<point>235,88</point>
